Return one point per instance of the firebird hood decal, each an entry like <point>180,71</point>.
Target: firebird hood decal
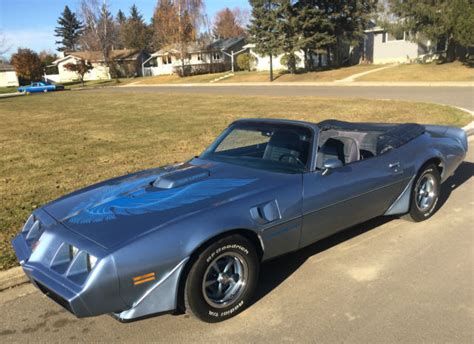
<point>138,197</point>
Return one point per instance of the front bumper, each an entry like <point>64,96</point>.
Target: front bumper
<point>69,280</point>
<point>65,295</point>
<point>98,290</point>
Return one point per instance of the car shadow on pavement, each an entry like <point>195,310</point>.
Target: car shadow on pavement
<point>276,271</point>
<point>464,172</point>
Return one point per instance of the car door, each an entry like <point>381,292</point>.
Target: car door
<point>348,195</point>
<point>34,87</point>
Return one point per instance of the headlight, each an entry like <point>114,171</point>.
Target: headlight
<point>72,251</point>
<point>32,230</point>
<point>28,224</point>
<point>91,262</point>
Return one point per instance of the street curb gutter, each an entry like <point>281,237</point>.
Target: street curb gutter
<point>12,278</point>
<point>15,276</point>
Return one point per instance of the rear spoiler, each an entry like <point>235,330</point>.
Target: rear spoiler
<point>457,134</point>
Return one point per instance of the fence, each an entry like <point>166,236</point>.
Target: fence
<point>203,68</point>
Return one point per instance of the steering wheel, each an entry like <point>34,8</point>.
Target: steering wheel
<point>291,158</point>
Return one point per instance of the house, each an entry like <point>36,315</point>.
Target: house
<point>201,58</point>
<point>8,77</point>
<point>381,46</point>
<point>262,63</point>
<point>127,63</point>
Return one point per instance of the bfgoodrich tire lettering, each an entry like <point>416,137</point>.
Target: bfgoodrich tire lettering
<point>425,193</point>
<point>222,280</point>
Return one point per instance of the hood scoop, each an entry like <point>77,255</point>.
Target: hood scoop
<point>180,177</point>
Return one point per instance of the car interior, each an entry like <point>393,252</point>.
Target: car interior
<point>343,141</point>
<point>339,141</point>
<point>346,146</point>
<point>275,145</point>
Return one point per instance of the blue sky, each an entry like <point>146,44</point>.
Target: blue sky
<point>31,23</point>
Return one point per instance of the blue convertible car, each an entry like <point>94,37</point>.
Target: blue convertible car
<point>192,236</point>
<point>37,87</point>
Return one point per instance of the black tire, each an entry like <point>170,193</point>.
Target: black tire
<point>423,202</point>
<point>233,249</point>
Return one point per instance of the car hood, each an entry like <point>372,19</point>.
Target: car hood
<point>120,209</point>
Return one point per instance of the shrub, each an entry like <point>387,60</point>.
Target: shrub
<point>245,61</point>
<point>290,61</point>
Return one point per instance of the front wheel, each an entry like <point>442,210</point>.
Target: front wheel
<point>222,280</point>
<point>425,193</point>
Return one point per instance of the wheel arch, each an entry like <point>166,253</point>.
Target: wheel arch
<point>436,160</point>
<point>251,235</point>
<point>402,204</point>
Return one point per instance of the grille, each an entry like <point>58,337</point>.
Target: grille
<point>55,297</point>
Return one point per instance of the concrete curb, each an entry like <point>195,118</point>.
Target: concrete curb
<point>10,95</point>
<point>12,278</point>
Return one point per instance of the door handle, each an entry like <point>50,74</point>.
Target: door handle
<point>394,165</point>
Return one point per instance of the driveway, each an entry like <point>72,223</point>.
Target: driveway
<point>455,96</point>
<point>387,280</point>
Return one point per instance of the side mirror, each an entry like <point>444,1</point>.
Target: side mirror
<point>331,164</point>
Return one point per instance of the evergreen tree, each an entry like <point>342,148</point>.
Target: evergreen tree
<point>450,20</point>
<point>121,18</point>
<point>315,30</point>
<point>121,21</point>
<point>264,29</point>
<point>69,30</point>
<point>287,26</point>
<point>349,19</point>
<point>135,33</point>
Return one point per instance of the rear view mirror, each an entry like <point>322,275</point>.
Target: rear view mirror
<point>331,164</point>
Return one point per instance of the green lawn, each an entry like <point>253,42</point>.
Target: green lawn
<point>455,71</point>
<point>54,143</point>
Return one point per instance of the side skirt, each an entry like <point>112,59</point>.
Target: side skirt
<point>402,203</point>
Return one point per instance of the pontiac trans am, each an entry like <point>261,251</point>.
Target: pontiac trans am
<point>191,236</point>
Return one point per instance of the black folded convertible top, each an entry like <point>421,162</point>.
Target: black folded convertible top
<point>392,135</point>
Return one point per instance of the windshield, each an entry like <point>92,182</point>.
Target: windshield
<point>275,147</point>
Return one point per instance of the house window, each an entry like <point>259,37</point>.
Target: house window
<point>390,37</point>
<point>216,56</point>
<point>166,59</point>
<point>199,57</point>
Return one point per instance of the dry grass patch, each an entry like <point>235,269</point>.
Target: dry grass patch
<point>327,75</point>
<point>176,79</point>
<point>243,77</point>
<point>455,71</point>
<point>54,143</point>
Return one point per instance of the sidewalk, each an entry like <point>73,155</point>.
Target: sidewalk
<point>8,95</point>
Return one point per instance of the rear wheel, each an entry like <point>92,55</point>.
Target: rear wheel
<point>425,193</point>
<point>222,280</point>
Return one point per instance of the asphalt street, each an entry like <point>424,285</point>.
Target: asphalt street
<point>457,96</point>
<point>387,280</point>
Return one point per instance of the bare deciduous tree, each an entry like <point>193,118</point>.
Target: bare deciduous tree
<point>178,22</point>
<point>4,47</point>
<point>100,31</point>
